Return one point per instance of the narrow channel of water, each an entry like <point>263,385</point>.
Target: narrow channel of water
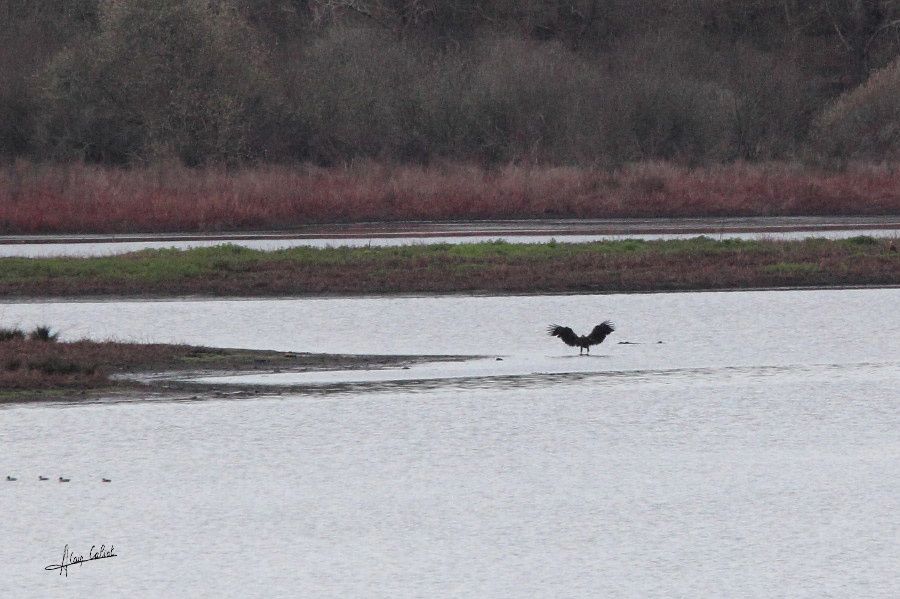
<point>44,250</point>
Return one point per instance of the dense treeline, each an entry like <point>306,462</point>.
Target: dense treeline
<point>592,82</point>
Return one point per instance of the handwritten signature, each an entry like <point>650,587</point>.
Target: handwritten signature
<point>70,559</point>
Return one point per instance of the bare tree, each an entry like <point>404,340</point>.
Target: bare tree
<point>862,28</point>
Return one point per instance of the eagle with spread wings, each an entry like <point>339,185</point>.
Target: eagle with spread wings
<point>583,342</point>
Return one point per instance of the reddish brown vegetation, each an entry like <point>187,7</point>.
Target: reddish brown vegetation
<point>33,364</point>
<point>27,366</point>
<point>81,199</point>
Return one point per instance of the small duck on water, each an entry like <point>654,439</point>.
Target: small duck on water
<point>106,480</point>
<point>64,480</point>
<point>10,478</point>
<point>42,477</point>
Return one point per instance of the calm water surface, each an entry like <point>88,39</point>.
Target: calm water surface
<point>85,249</point>
<point>754,453</point>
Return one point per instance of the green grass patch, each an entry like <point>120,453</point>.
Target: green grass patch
<point>792,268</point>
<point>861,240</point>
<point>169,264</point>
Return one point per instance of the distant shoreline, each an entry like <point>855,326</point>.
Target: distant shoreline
<point>206,298</point>
<point>501,228</point>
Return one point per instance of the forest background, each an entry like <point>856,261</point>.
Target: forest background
<point>625,107</point>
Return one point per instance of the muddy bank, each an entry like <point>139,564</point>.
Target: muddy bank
<point>35,370</point>
<point>503,228</point>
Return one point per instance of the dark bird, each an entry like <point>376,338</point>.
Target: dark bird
<point>583,342</point>
<point>106,480</point>
<point>64,480</point>
<point>42,477</point>
<point>8,477</point>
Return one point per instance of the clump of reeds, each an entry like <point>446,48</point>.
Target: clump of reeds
<point>43,333</point>
<point>7,334</point>
<point>39,333</point>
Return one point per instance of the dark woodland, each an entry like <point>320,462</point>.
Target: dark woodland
<point>559,82</point>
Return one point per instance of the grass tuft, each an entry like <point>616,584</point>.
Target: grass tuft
<point>862,240</point>
<point>43,333</point>
<point>11,334</point>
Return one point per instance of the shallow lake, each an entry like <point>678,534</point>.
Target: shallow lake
<point>755,452</point>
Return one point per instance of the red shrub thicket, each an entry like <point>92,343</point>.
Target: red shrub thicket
<point>82,198</point>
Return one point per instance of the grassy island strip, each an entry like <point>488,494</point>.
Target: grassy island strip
<point>493,267</point>
<point>36,366</point>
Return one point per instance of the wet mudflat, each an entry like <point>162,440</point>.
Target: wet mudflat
<point>754,452</point>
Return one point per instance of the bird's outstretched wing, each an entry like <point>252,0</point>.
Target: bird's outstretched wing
<point>600,332</point>
<point>567,335</point>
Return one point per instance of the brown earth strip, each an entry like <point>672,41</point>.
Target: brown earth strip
<point>32,370</point>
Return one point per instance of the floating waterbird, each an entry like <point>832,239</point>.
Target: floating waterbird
<point>584,342</point>
<point>64,480</point>
<point>8,477</point>
<point>106,480</point>
<point>42,477</point>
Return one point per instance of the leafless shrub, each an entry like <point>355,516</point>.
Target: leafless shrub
<point>865,122</point>
<point>356,94</point>
<point>179,78</point>
<point>534,102</point>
